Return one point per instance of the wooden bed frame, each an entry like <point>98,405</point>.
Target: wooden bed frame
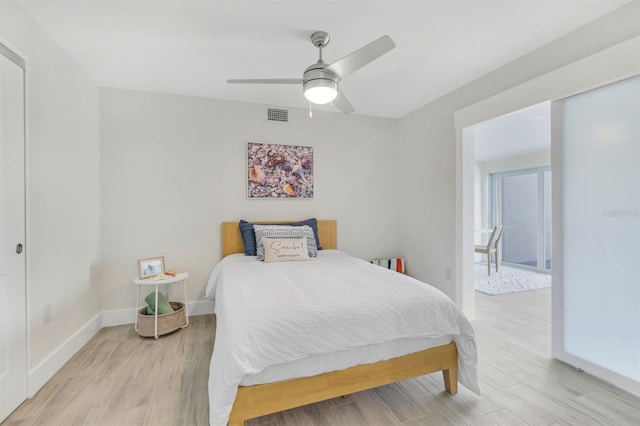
<point>259,400</point>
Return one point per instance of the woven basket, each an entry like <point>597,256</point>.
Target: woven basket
<point>166,322</point>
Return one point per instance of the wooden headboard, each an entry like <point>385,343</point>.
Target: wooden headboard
<point>232,240</point>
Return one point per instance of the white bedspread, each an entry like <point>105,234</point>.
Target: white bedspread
<point>273,313</point>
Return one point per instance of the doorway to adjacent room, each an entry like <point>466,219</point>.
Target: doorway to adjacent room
<point>512,189</point>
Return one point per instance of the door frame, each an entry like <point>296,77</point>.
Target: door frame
<point>616,61</point>
<point>613,63</point>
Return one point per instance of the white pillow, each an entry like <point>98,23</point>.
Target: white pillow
<point>284,231</point>
<point>285,249</point>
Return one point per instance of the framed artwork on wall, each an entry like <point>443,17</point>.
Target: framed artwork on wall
<point>279,171</point>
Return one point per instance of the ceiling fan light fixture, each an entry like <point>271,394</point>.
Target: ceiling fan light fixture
<point>320,80</point>
<point>320,91</point>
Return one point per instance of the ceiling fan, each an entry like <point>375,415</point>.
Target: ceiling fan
<point>320,80</point>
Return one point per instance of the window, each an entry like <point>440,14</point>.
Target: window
<point>521,201</point>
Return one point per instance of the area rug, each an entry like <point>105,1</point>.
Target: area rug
<point>508,280</point>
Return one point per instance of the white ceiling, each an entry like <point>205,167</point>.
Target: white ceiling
<point>521,132</point>
<point>193,47</point>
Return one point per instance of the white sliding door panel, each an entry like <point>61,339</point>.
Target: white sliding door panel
<point>601,227</point>
<point>13,330</point>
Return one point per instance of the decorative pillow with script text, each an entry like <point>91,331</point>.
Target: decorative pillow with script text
<point>285,249</point>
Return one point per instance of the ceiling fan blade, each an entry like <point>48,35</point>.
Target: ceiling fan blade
<point>342,103</point>
<point>361,57</point>
<point>266,81</point>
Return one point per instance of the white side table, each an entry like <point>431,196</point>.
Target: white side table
<point>182,277</point>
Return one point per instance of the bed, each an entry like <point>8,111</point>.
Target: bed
<point>327,327</point>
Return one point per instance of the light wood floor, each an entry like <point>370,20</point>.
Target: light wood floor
<point>119,379</point>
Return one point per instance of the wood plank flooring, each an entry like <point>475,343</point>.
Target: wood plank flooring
<point>120,379</point>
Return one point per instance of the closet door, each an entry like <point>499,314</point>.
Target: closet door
<point>601,232</point>
<point>13,319</point>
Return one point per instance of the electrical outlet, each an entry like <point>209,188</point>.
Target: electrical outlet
<point>46,313</point>
<point>448,273</point>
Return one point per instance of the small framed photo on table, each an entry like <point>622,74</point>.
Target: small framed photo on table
<point>150,267</point>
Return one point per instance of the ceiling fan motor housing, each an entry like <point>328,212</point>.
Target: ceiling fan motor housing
<point>316,77</point>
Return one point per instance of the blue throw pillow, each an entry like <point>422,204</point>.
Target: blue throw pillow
<point>249,235</point>
<point>248,238</point>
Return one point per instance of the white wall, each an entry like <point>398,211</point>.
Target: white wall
<point>63,191</point>
<point>428,196</point>
<point>174,167</point>
<point>432,230</point>
<point>480,206</point>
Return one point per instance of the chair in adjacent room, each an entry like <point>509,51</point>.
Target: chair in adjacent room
<point>492,247</point>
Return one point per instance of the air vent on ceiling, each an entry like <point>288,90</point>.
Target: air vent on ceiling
<point>275,114</point>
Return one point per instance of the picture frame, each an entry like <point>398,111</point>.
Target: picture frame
<point>276,171</point>
<point>150,267</point>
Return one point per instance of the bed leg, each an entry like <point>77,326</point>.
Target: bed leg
<point>451,380</point>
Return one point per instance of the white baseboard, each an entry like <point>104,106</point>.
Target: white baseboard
<point>118,317</point>
<point>618,380</point>
<point>200,307</point>
<point>127,316</point>
<point>41,373</point>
